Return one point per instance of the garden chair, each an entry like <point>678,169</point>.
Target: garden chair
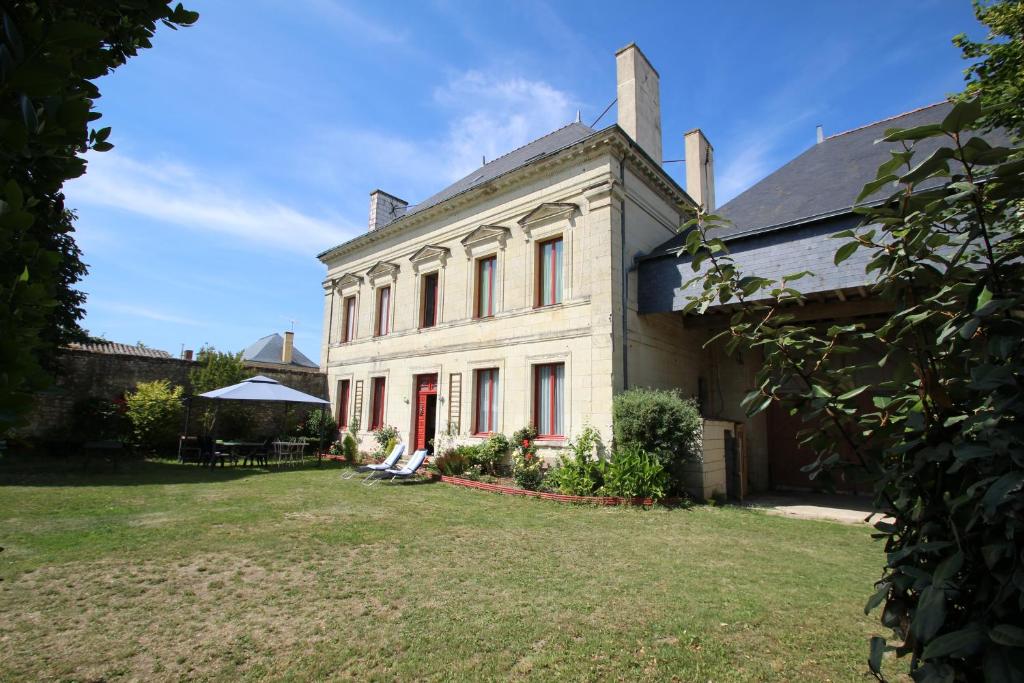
<point>404,473</point>
<point>388,463</point>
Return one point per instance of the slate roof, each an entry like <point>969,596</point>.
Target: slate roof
<point>268,350</point>
<point>113,348</point>
<point>783,223</point>
<point>543,146</point>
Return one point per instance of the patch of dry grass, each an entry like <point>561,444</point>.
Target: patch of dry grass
<point>165,572</point>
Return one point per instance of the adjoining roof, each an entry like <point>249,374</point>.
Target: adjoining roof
<point>541,147</point>
<point>825,180</point>
<point>113,348</point>
<point>268,350</point>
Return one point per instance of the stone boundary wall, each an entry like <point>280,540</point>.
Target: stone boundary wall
<point>85,374</point>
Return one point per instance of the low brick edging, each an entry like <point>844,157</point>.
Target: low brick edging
<point>559,497</point>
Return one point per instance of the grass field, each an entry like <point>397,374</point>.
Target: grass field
<point>162,571</point>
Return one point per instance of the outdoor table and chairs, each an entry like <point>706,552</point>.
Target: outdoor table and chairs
<point>289,452</point>
<point>248,452</point>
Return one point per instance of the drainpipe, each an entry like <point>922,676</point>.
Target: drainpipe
<point>625,277</point>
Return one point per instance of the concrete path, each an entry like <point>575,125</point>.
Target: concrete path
<point>847,509</point>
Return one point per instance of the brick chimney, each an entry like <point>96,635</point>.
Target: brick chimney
<point>287,348</point>
<point>700,169</point>
<point>385,208</point>
<point>639,99</point>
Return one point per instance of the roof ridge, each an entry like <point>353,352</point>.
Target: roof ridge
<point>888,118</point>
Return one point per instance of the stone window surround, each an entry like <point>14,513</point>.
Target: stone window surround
<point>483,242</point>
<point>544,359</point>
<point>338,379</point>
<point>428,260</point>
<point>544,223</point>
<point>347,285</point>
<point>383,274</point>
<point>366,427</point>
<point>486,364</point>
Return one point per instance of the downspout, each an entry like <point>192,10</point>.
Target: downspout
<point>625,277</point>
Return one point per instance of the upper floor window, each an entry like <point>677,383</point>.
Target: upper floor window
<point>548,399</point>
<point>486,402</point>
<point>348,322</point>
<point>486,269</point>
<point>377,404</point>
<point>430,300</point>
<point>383,323</point>
<point>549,272</point>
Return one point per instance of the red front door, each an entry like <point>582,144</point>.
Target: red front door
<point>426,411</point>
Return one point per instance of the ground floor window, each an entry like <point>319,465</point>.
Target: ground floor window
<point>486,401</point>
<point>377,404</point>
<point>343,398</point>
<point>548,399</point>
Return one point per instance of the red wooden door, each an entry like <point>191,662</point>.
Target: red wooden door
<point>426,386</point>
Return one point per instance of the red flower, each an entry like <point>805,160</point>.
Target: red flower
<point>526,443</point>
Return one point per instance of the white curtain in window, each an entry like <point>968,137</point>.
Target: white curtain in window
<point>551,272</point>
<point>487,401</point>
<point>550,397</point>
<point>385,310</point>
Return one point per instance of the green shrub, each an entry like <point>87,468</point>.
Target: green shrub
<point>634,473</point>
<point>155,412</point>
<point>350,449</point>
<point>660,422</point>
<point>491,454</point>
<point>386,438</point>
<point>452,463</point>
<point>527,469</point>
<point>582,473</point>
<point>99,419</point>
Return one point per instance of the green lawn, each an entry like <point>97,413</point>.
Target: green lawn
<point>163,571</point>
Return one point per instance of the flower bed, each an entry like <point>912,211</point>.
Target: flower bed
<point>561,498</point>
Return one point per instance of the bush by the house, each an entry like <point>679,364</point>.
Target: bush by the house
<point>350,449</point>
<point>386,438</point>
<point>452,463</point>
<point>635,473</point>
<point>319,426</point>
<point>582,472</point>
<point>491,454</point>
<point>155,412</point>
<point>662,423</point>
<point>98,419</point>
<point>526,464</point>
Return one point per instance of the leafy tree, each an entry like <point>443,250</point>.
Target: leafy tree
<point>51,51</point>
<point>998,75</point>
<point>155,412</point>
<point>215,369</point>
<point>944,438</point>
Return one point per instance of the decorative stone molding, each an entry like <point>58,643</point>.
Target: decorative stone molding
<point>547,214</point>
<point>347,281</point>
<point>603,194</point>
<point>428,257</point>
<point>382,271</point>
<point>484,236</point>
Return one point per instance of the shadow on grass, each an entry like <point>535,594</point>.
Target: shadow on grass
<point>18,470</point>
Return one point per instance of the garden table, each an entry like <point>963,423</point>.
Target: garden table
<point>248,450</point>
<point>292,451</point>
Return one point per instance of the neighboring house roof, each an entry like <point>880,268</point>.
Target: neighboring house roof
<point>268,350</point>
<point>782,224</point>
<point>113,348</point>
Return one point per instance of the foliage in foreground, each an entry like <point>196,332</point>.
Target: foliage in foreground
<point>661,422</point>
<point>50,54</point>
<point>943,437</point>
<point>155,411</point>
<point>581,473</point>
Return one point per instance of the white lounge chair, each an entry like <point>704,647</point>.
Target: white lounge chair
<point>401,473</point>
<point>388,463</point>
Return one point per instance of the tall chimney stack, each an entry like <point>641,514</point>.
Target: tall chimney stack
<point>385,208</point>
<point>639,99</point>
<point>287,348</point>
<point>700,169</point>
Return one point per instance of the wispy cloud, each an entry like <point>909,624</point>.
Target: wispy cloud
<point>147,313</point>
<point>176,194</point>
<point>357,25</point>
<point>489,115</point>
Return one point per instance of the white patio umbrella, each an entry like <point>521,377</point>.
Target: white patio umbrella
<point>260,388</point>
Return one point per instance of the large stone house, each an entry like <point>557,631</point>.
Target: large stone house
<point>546,281</point>
<point>501,301</point>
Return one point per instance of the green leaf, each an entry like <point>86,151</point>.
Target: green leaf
<point>846,251</point>
<point>915,133</point>
<point>983,298</point>
<point>935,162</point>
<point>930,614</point>
<point>1001,489</point>
<point>873,187</point>
<point>963,114</point>
<point>1007,634</point>
<point>960,643</point>
<point>24,275</point>
<point>853,392</point>
<point>102,146</point>
<point>877,650</point>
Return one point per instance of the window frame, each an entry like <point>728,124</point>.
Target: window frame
<point>377,403</point>
<point>478,303</point>
<point>382,324</point>
<point>344,403</point>
<point>541,429</point>
<point>493,399</point>
<point>426,277</point>
<point>558,266</point>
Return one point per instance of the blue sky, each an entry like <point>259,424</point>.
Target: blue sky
<point>250,142</point>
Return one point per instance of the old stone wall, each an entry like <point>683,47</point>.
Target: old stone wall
<point>85,374</point>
